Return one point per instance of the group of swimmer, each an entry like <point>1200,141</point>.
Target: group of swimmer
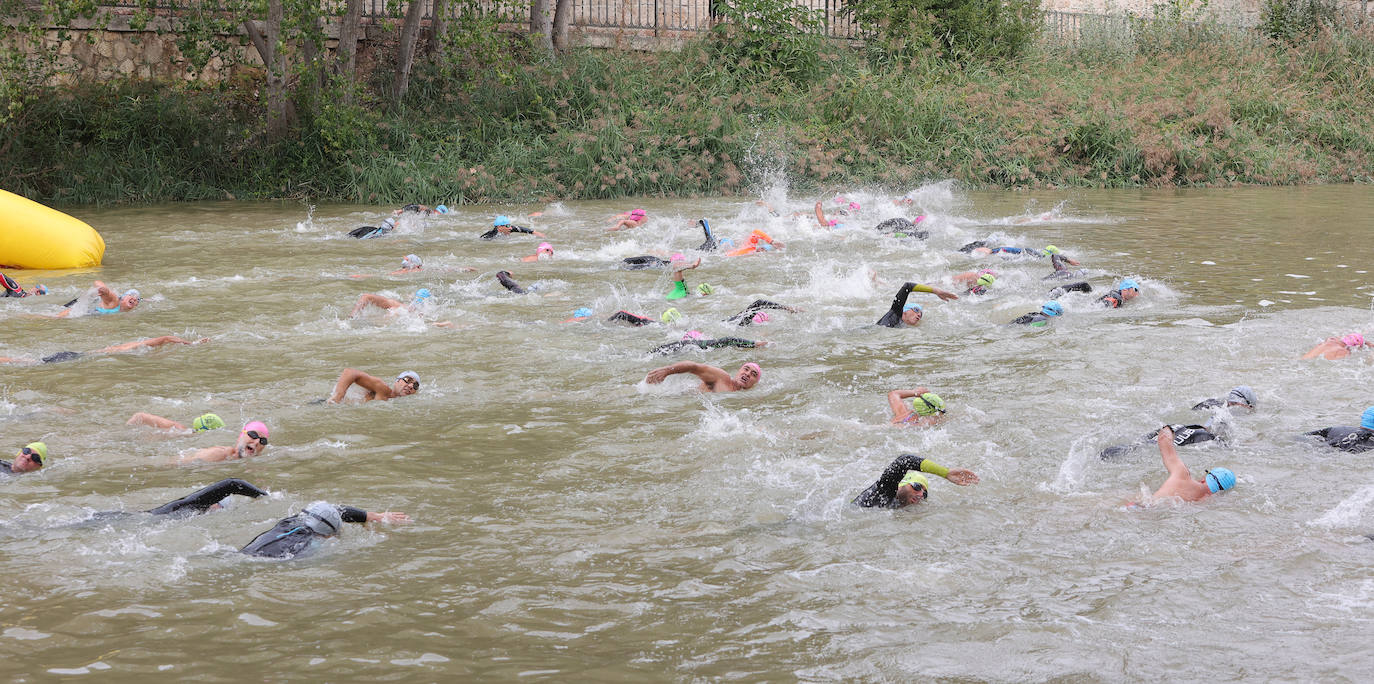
<point>903,482</point>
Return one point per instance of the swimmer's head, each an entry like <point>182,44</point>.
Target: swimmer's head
<point>986,279</point>
<point>725,242</point>
<point>1128,284</point>
<point>40,289</point>
<point>252,438</point>
<point>129,299</point>
<point>501,220</point>
<point>693,335</point>
<point>928,404</point>
<point>32,457</point>
<point>913,488</point>
<point>749,374</point>
<point>1241,396</point>
<point>918,219</point>
<point>411,262</point>
<point>853,206</point>
<point>677,256</point>
<point>987,271</point>
<point>208,421</point>
<point>582,312</point>
<point>705,289</point>
<point>1220,480</point>
<point>389,222</point>
<point>407,383</point>
<point>441,209</point>
<point>672,315</point>
<point>761,317</point>
<point>322,518</point>
<point>637,214</point>
<point>1051,249</point>
<point>1052,309</point>
<point>1367,419</point>
<point>544,248</point>
<point>912,313</point>
<point>1353,340</point>
<point>421,295</point>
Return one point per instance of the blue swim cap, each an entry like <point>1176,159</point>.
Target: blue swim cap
<point>1052,309</point>
<point>726,242</point>
<point>913,305</point>
<point>502,220</point>
<point>1367,420</point>
<point>582,312</point>
<point>1220,480</point>
<point>441,209</point>
<point>422,294</point>
<point>1128,284</point>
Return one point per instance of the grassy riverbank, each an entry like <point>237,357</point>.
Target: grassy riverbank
<point>1186,107</point>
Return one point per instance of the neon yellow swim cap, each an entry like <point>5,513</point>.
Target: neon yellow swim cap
<point>928,404</point>
<point>672,315</point>
<point>41,448</point>
<point>208,421</point>
<point>914,477</point>
<point>986,279</point>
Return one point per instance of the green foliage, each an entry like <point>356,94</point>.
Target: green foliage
<point>769,37</point>
<point>1293,20</point>
<point>959,29</point>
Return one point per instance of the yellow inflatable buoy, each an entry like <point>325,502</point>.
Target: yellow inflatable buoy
<point>35,236</point>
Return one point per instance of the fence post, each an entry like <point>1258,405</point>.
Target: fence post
<point>655,18</point>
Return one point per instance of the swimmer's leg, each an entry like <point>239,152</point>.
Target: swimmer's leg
<point>202,500</point>
<point>710,244</point>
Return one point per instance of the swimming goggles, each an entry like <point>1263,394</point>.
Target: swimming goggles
<point>37,457</point>
<point>253,434</point>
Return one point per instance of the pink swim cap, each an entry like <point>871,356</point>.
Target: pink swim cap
<point>988,271</point>
<point>1353,340</point>
<point>258,427</point>
<point>918,219</point>
<point>854,206</point>
<point>544,245</point>
<point>692,335</point>
<point>677,256</point>
<point>756,368</point>
<point>637,212</point>
<point>833,222</point>
<point>761,317</point>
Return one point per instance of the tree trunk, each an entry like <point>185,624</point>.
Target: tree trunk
<point>438,24</point>
<point>274,66</point>
<point>562,16</point>
<point>541,23</point>
<point>346,56</point>
<point>405,58</point>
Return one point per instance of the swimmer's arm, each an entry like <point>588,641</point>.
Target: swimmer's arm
<point>894,401</point>
<point>107,296</point>
<point>371,383</point>
<point>895,471</point>
<point>210,455</point>
<point>708,374</point>
<point>1169,454</point>
<point>350,514</point>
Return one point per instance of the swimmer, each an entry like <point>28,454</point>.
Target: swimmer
<point>252,441</point>
<point>299,534</point>
<point>632,219</point>
<point>387,303</point>
<point>680,281</point>
<point>712,379</point>
<point>580,314</point>
<point>1182,435</point>
<point>980,248</point>
<point>203,500</point>
<point>421,209</point>
<point>30,458</point>
<point>409,264</point>
<point>369,232</point>
<point>1240,396</point>
<point>1061,264</point>
<point>901,313</point>
<point>1060,291</point>
<point>755,312</point>
<point>758,241</point>
<point>544,251</point>
<point>1125,291</point>
<point>1352,439</point>
<point>927,410</point>
<point>699,341</point>
<point>1180,482</point>
<point>110,303</point>
<point>640,263</point>
<point>503,226</point>
<point>1039,319</point>
<point>404,385</point>
<point>114,349</point>
<point>633,319</point>
<point>901,227</point>
<point>1337,347</point>
<point>977,282</point>
<point>208,421</point>
<point>710,244</point>
<point>508,282</point>
<point>10,288</point>
<point>902,483</point>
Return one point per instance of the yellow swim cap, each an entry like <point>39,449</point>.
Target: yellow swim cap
<point>913,477</point>
<point>928,404</point>
<point>671,316</point>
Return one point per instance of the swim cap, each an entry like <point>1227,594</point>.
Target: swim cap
<point>1052,309</point>
<point>131,291</point>
<point>1220,480</point>
<point>677,256</point>
<point>40,289</point>
<point>1051,249</point>
<point>582,312</point>
<point>987,271</point>
<point>913,305</point>
<point>411,261</point>
<point>1242,395</point>
<point>726,242</point>
<point>705,289</point>
<point>693,335</point>
<point>389,222</point>
<point>1128,284</point>
<point>208,421</point>
<point>918,219</point>
<point>670,316</point>
<point>323,518</point>
<point>914,477</point>
<point>422,294</point>
<point>1367,418</point>
<point>410,375</point>
<point>543,246</point>
<point>441,209</point>
<point>928,404</point>
<point>761,317</point>
<point>1353,340</point>
<point>986,279</point>
<point>501,221</point>
<point>854,206</point>
<point>637,212</point>
<point>756,367</point>
<point>258,427</point>
<point>832,223</point>
<point>41,448</point>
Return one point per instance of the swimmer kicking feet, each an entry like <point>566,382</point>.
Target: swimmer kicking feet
<point>252,441</point>
<point>406,384</point>
<point>303,532</point>
<point>712,379</point>
<point>902,483</point>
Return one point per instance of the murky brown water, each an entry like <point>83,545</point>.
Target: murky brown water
<point>574,523</point>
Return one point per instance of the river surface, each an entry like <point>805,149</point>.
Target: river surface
<point>575,523</point>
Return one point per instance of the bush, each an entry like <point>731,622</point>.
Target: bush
<point>1292,20</point>
<point>766,36</point>
<point>959,29</point>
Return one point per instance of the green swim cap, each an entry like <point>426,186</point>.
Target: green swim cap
<point>705,289</point>
<point>208,421</point>
<point>41,448</point>
<point>670,316</point>
<point>914,477</point>
<point>928,404</point>
<point>1051,249</point>
<point>986,279</point>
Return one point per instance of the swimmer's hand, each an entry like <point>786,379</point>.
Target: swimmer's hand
<point>961,476</point>
<point>943,295</point>
<point>760,343</point>
<point>657,375</point>
<point>388,517</point>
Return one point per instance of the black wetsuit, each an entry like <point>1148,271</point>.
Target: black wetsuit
<point>1183,436</point>
<point>883,493</point>
<point>704,344</point>
<point>710,244</point>
<point>367,232</point>
<point>1347,438</point>
<point>893,317</point>
<point>6,468</point>
<point>201,501</point>
<point>1061,268</point>
<point>746,317</point>
<point>292,537</point>
<point>59,357</point>
<point>973,245</point>
<point>632,319</point>
<point>1034,319</point>
<point>901,225</point>
<point>639,263</point>
<point>494,232</point>
<point>509,283</point>
<point>10,288</point>
<point>1112,300</point>
<point>1081,286</point>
